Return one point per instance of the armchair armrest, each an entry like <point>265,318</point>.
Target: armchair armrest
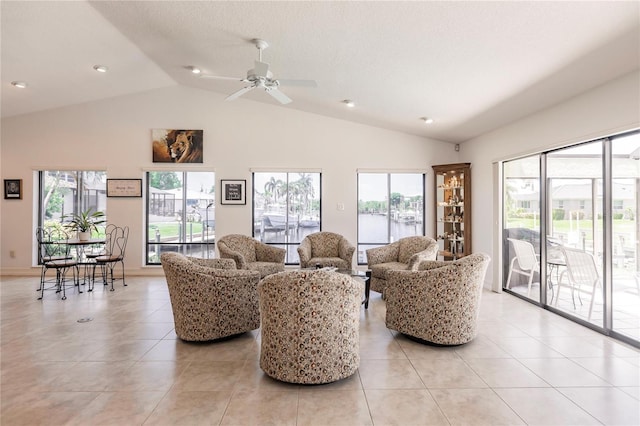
<point>267,253</point>
<point>241,274</point>
<point>304,252</point>
<point>213,263</point>
<point>227,253</point>
<point>430,253</point>
<point>383,254</point>
<point>346,250</point>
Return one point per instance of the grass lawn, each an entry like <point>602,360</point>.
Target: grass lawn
<point>171,229</point>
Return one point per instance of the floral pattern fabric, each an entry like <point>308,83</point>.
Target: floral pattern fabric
<point>210,299</point>
<point>325,249</point>
<point>404,254</point>
<point>248,253</point>
<point>439,302</point>
<point>310,326</point>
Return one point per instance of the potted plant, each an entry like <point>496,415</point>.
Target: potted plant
<point>84,223</point>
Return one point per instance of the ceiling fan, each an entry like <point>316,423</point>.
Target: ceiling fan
<point>260,76</point>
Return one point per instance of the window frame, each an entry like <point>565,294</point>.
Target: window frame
<point>204,248</point>
<point>291,247</point>
<point>389,179</point>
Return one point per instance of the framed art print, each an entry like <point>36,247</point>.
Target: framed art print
<point>176,145</point>
<point>233,191</point>
<point>13,189</point>
<point>124,187</point>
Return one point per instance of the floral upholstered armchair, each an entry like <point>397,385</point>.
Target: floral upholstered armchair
<point>249,253</point>
<point>325,249</point>
<point>438,303</point>
<point>310,326</point>
<point>404,254</point>
<point>210,298</point>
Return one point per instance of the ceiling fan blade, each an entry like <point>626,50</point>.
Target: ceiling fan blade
<point>239,93</point>
<point>261,69</point>
<point>279,96</point>
<point>218,77</point>
<point>301,83</point>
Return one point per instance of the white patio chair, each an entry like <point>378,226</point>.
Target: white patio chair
<point>582,271</point>
<point>527,262</point>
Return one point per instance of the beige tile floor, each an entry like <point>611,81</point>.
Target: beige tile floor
<point>126,367</point>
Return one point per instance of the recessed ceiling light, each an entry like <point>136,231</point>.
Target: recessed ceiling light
<point>427,120</point>
<point>195,70</point>
<point>19,84</point>
<point>101,68</point>
<point>349,103</point>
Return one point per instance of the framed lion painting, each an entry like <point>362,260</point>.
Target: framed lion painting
<point>176,146</point>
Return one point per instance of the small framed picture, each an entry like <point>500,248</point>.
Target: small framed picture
<point>233,191</point>
<point>13,189</point>
<point>124,187</point>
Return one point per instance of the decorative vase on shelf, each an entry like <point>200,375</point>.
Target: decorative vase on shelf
<point>84,236</point>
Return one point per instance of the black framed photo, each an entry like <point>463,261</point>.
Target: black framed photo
<point>13,189</point>
<point>233,191</point>
<point>124,188</point>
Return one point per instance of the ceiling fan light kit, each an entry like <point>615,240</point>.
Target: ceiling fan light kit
<point>260,77</point>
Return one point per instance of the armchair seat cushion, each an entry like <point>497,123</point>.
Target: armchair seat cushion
<point>248,253</point>
<point>380,270</point>
<point>405,254</point>
<point>329,261</point>
<point>265,268</point>
<point>326,249</point>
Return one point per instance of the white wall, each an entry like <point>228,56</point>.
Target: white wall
<point>605,110</point>
<point>114,135</point>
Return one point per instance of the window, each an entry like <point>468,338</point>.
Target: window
<point>390,207</point>
<point>62,192</point>
<point>286,208</point>
<point>180,214</point>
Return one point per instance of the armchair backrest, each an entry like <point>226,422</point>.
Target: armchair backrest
<point>440,302</point>
<point>209,303</point>
<point>472,266</point>
<point>240,244</point>
<point>409,246</point>
<point>325,244</point>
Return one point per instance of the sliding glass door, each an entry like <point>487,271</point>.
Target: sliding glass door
<point>521,233</point>
<point>581,204</point>
<point>625,289</point>
<point>575,221</point>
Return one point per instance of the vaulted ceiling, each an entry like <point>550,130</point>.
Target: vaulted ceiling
<point>471,66</point>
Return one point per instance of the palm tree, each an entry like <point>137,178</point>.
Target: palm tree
<point>273,190</point>
<point>307,191</point>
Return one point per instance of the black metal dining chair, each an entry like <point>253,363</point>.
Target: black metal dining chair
<point>114,250</point>
<point>53,253</point>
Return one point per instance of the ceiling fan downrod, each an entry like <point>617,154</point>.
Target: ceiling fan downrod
<point>260,45</point>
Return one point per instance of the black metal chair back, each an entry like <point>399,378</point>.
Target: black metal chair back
<point>115,247</point>
<point>54,254</point>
